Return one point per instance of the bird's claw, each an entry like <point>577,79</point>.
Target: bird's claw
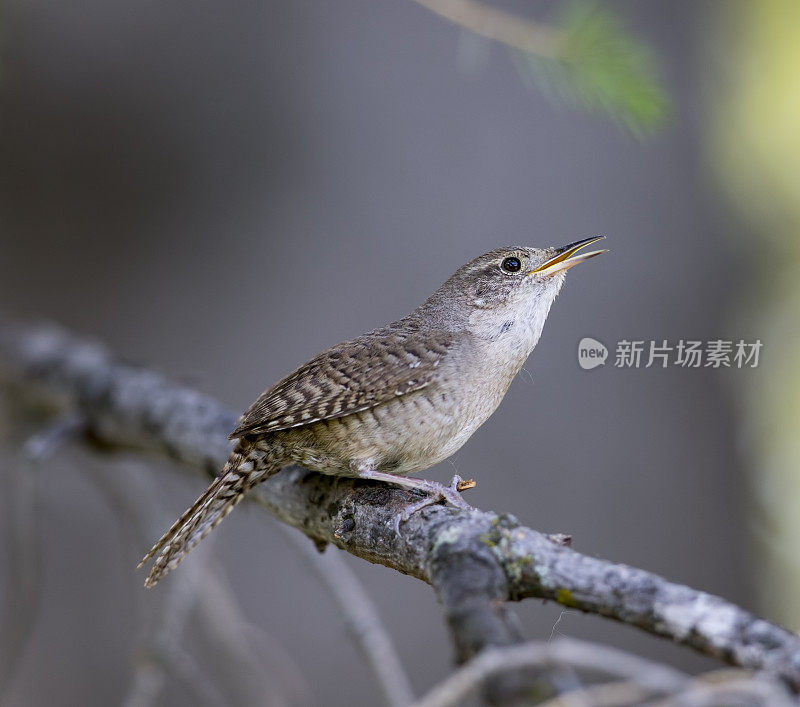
<point>450,494</point>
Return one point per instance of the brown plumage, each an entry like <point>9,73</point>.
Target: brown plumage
<point>393,401</point>
<point>349,378</point>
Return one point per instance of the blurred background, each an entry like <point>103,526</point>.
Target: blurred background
<point>219,190</point>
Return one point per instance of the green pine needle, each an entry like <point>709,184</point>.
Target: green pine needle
<point>602,68</point>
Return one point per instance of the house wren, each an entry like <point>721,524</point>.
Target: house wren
<point>394,401</point>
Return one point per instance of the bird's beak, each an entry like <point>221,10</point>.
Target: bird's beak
<point>563,259</point>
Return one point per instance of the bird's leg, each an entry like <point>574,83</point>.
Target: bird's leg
<point>436,492</point>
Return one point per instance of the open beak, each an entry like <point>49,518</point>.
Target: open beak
<point>563,259</point>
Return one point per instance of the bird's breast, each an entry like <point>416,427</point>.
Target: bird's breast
<point>405,435</point>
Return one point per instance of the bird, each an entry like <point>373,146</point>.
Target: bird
<point>394,401</point>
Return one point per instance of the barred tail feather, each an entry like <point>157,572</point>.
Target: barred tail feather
<point>220,498</point>
<point>178,524</point>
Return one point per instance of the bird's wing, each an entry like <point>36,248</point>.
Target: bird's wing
<point>348,378</point>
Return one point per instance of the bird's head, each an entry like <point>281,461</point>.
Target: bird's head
<point>511,288</point>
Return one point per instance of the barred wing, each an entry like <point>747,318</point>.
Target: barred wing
<point>348,378</point>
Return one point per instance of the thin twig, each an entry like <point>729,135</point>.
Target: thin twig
<point>157,648</point>
<point>505,27</point>
<point>183,665</point>
<point>242,648</point>
<point>730,687</point>
<point>45,443</point>
<point>22,596</point>
<point>651,676</point>
<point>361,618</point>
<point>622,693</point>
<point>160,651</point>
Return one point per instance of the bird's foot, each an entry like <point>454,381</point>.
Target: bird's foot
<point>451,495</point>
<point>435,492</point>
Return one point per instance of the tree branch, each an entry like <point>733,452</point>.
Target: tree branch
<point>652,677</point>
<point>362,620</point>
<point>474,560</point>
<point>504,27</point>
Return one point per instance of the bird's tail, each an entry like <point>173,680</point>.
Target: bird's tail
<point>245,468</point>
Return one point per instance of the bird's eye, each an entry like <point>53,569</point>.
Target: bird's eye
<point>511,265</point>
